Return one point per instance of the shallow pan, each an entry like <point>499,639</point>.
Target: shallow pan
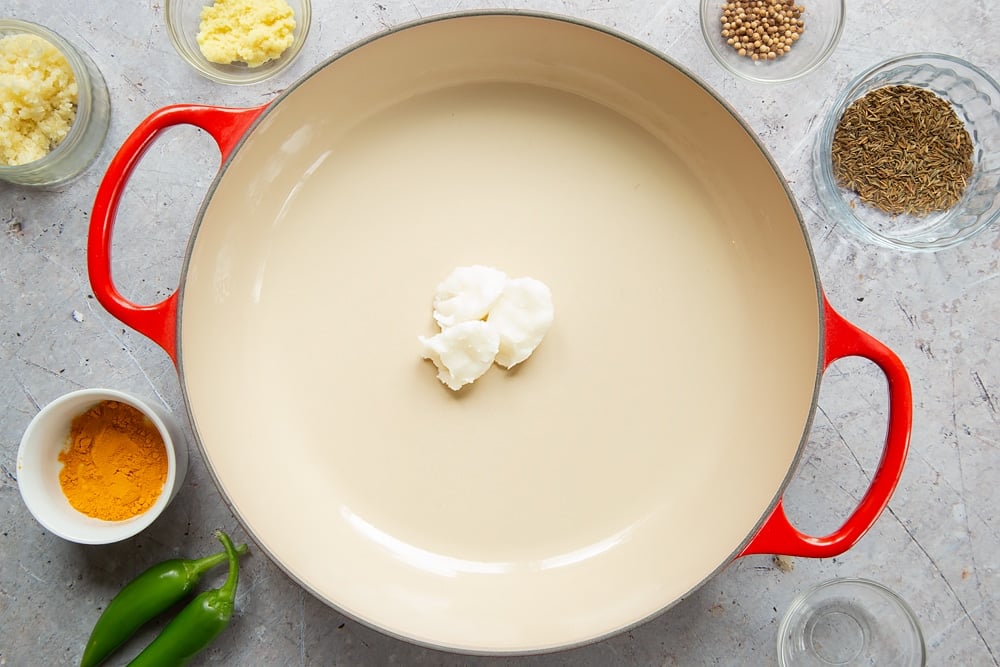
<point>643,447</point>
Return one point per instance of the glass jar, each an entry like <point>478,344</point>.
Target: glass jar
<point>86,135</point>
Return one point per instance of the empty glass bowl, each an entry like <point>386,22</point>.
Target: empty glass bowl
<point>850,622</point>
<point>975,97</point>
<point>824,23</point>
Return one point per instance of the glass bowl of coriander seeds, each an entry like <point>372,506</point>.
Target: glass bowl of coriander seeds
<point>772,41</point>
<point>909,155</point>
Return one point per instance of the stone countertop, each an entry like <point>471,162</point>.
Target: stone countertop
<point>938,545</point>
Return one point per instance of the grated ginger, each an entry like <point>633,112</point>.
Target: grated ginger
<point>38,96</point>
<point>248,31</point>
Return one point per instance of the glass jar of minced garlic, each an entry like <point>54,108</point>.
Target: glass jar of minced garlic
<point>56,106</point>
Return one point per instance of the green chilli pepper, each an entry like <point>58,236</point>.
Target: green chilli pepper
<point>198,623</point>
<point>145,597</point>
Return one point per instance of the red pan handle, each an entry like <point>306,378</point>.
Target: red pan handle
<point>157,321</point>
<point>777,535</point>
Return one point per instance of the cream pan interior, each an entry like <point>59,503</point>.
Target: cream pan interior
<point>608,475</point>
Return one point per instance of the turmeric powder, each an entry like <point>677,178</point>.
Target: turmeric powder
<point>115,462</point>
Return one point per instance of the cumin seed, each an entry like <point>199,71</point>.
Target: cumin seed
<point>903,149</point>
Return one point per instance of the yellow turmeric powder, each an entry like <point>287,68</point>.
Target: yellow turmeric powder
<point>115,462</point>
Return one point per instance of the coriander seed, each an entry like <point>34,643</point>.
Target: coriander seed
<point>762,29</point>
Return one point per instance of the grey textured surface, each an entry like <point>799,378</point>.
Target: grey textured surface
<point>938,545</point>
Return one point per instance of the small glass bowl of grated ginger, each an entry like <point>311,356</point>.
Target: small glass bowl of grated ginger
<point>238,41</point>
<point>98,466</point>
<point>56,106</point>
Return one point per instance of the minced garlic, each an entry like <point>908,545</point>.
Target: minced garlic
<point>248,31</point>
<point>38,96</point>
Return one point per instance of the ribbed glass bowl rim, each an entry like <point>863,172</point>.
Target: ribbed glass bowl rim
<point>826,184</point>
<point>209,71</point>
<point>884,591</point>
<point>822,57</point>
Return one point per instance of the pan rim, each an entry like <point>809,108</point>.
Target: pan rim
<point>573,21</point>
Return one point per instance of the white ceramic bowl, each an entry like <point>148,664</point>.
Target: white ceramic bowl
<point>824,23</point>
<point>38,468</point>
<point>183,19</point>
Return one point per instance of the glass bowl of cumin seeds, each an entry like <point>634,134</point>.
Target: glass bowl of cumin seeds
<point>909,155</point>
